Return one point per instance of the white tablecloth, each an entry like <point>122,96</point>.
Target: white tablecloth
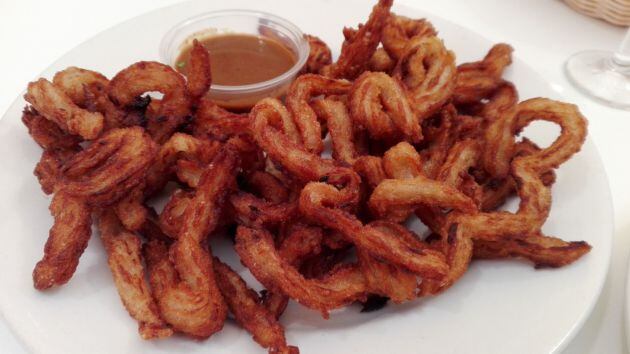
<point>544,32</point>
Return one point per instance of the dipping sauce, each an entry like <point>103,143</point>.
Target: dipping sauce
<point>242,59</point>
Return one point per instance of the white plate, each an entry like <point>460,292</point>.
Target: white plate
<point>498,307</point>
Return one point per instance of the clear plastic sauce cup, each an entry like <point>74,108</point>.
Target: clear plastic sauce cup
<point>248,22</point>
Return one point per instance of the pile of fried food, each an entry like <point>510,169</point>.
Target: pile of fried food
<point>413,135</point>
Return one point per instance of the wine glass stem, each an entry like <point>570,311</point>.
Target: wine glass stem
<point>621,58</point>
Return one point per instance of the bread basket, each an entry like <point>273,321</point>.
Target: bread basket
<point>614,11</point>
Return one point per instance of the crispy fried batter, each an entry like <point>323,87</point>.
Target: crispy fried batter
<point>49,167</point>
<point>131,210</point>
<point>255,212</point>
<point>335,113</point>
<point>124,256</point>
<point>170,219</point>
<point>543,251</point>
<point>357,49</point>
<point>53,104</point>
<point>257,252</point>
<point>399,29</point>
<point>214,122</point>
<point>88,89</point>
<point>46,133</point>
<point>110,167</point>
<point>391,194</point>
<point>147,76</point>
<point>319,55</point>
<point>480,79</point>
<point>298,99</point>
<point>66,241</point>
<point>381,61</point>
<point>320,202</point>
<point>249,313</point>
<point>386,279</point>
<point>178,146</point>
<point>268,186</point>
<point>379,105</point>
<point>427,70</point>
<point>526,170</point>
<point>186,290</point>
<point>198,73</point>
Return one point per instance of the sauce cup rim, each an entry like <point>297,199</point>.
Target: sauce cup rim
<point>301,45</point>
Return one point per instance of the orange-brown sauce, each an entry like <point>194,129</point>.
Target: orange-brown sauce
<point>241,59</point>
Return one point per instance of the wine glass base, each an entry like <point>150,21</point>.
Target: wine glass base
<point>596,74</point>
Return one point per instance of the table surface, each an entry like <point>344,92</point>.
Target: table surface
<point>544,33</point>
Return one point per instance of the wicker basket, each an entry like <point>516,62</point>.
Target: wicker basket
<point>614,11</point>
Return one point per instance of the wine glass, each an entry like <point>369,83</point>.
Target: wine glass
<point>603,75</point>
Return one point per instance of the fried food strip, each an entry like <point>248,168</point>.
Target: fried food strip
<point>454,172</point>
<point>257,252</point>
<point>189,172</point>
<point>499,145</point>
<point>458,248</point>
<point>370,168</point>
<point>381,61</point>
<point>178,146</point>
<point>271,112</point>
<point>298,99</point>
<point>255,212</point>
<point>75,81</point>
<point>198,73</point>
<point>335,114</point>
<point>526,170</point>
<point>401,161</point>
<point>320,202</point>
<point>250,154</point>
<point>398,30</point>
<point>170,220</point>
<point>243,302</point>
<point>186,290</point>
<point>454,243</point>
<point>359,45</point>
<point>543,251</point>
<point>46,133</point>
<point>392,194</point>
<point>319,55</point>
<point>216,123</point>
<point>303,165</point>
<point>439,135</point>
<point>50,165</point>
<point>268,186</point>
<point>384,278</point>
<point>110,167</point>
<point>66,241</point>
<point>379,105</point>
<point>504,98</point>
<point>52,103</point>
<point>124,256</point>
<point>147,76</point>
<point>427,70</point>
<point>480,79</point>
<point>88,90</point>
<point>495,192</point>
<point>131,210</point>
<point>302,241</point>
